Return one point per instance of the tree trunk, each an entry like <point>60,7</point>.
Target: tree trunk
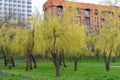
<point>12,60</point>
<point>62,59</point>
<point>107,66</point>
<point>57,66</point>
<point>30,61</point>
<point>27,66</point>
<point>97,56</point>
<point>55,55</point>
<point>56,63</point>
<point>107,63</point>
<point>113,60</point>
<point>9,62</point>
<point>80,58</point>
<point>5,62</point>
<point>10,65</point>
<point>32,58</point>
<point>109,57</point>
<point>75,64</point>
<point>35,66</point>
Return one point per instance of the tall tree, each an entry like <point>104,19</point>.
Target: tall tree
<point>108,38</point>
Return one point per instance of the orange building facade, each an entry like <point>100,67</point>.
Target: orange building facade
<point>87,14</point>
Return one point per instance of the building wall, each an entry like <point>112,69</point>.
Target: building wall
<point>87,14</point>
<point>15,9</point>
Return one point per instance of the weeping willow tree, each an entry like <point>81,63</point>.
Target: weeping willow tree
<point>56,35</point>
<point>77,46</point>
<point>78,38</point>
<point>6,39</point>
<point>16,39</point>
<point>52,36</point>
<point>23,44</point>
<point>8,31</point>
<point>107,40</point>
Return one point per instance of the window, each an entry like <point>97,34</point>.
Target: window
<point>23,14</point>
<point>5,13</point>
<point>14,10</point>
<point>87,12</point>
<point>19,5</point>
<point>102,20</point>
<point>23,19</point>
<point>45,9</point>
<point>19,9</point>
<point>23,10</point>
<point>96,12</point>
<point>10,9</point>
<point>5,4</point>
<point>29,2</point>
<point>0,3</point>
<point>23,1</point>
<point>14,5</point>
<point>19,14</point>
<point>29,7</point>
<point>10,4</point>
<point>28,14</point>
<point>29,11</point>
<point>23,6</point>
<point>87,21</point>
<point>5,8</point>
<point>14,1</point>
<point>15,18</point>
<point>10,0</point>
<point>60,9</point>
<point>78,11</point>
<point>19,1</point>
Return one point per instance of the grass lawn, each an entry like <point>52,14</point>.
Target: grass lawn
<point>87,70</point>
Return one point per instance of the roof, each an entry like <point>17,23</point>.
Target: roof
<point>54,3</point>
<point>82,5</point>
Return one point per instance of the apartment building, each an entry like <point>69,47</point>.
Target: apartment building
<point>87,14</point>
<point>15,9</point>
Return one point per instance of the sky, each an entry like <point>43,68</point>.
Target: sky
<point>39,3</point>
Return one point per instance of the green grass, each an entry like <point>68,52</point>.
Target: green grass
<point>88,69</point>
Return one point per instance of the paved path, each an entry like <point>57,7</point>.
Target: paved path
<point>4,74</point>
<point>102,65</point>
<point>85,64</point>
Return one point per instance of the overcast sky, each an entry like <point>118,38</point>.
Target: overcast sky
<point>39,3</point>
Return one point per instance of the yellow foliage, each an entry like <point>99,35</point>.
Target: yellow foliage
<point>109,35</point>
<point>71,38</point>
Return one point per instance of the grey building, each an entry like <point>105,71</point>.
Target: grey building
<point>15,9</point>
